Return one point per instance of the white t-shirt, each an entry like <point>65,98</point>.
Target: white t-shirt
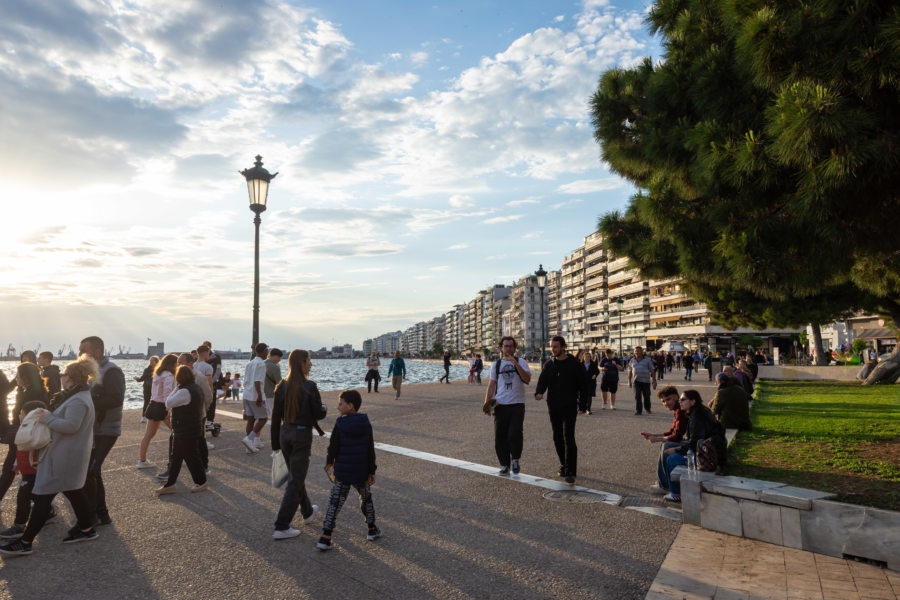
<point>255,371</point>
<point>201,370</point>
<point>510,387</point>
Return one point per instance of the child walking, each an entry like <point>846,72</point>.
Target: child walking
<point>350,462</point>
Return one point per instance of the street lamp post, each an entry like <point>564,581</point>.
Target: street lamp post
<point>541,275</point>
<point>258,187</point>
<point>620,302</point>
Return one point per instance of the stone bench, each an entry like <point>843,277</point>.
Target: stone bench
<point>789,516</point>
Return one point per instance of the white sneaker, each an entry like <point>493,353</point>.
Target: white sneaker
<point>309,519</point>
<point>257,442</point>
<point>283,534</point>
<point>145,464</point>
<point>604,407</point>
<point>613,407</point>
<point>210,446</point>
<point>251,447</point>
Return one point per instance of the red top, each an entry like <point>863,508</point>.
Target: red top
<point>23,462</point>
<point>679,427</point>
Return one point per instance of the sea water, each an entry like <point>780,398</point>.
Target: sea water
<point>329,374</point>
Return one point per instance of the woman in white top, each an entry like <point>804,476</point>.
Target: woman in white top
<point>156,413</point>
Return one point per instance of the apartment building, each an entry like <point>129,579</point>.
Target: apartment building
<point>493,315</point>
<point>528,311</point>
<point>596,304</point>
<point>571,304</point>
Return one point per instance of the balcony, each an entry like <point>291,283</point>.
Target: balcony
<point>597,294</point>
<point>598,268</point>
<point>620,277</point>
<point>596,320</point>
<point>618,264</point>
<point>628,289</point>
<point>635,303</point>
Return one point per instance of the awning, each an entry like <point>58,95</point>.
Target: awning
<point>879,333</point>
<point>673,347</point>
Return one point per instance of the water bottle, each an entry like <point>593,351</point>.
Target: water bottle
<point>691,461</point>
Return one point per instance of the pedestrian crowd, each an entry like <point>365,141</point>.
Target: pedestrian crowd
<point>80,411</point>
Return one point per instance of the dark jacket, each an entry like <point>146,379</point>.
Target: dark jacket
<point>352,448</point>
<point>108,394</point>
<point>187,419</point>
<point>446,360</point>
<point>147,379</point>
<point>309,413</point>
<point>731,406</point>
<point>590,374</point>
<point>687,361</point>
<point>50,375</point>
<point>562,380</point>
<point>702,425</point>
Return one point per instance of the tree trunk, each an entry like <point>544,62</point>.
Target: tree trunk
<point>821,359</point>
<point>889,370</point>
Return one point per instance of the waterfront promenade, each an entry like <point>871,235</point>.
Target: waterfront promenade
<point>450,531</point>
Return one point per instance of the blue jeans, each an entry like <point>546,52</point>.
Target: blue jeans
<point>672,461</point>
<point>687,372</point>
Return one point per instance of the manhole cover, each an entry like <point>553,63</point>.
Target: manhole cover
<point>577,496</point>
<point>643,501</point>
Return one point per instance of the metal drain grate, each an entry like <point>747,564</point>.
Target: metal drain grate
<point>576,496</point>
<point>645,501</point>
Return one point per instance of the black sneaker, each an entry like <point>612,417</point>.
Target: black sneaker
<point>504,470</point>
<point>374,534</point>
<point>163,475</point>
<point>52,514</point>
<point>80,536</point>
<point>570,479</point>
<point>323,544</point>
<point>13,533</point>
<point>16,548</point>
<point>561,472</point>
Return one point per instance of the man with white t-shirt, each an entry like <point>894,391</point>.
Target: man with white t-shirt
<point>254,405</point>
<point>506,394</point>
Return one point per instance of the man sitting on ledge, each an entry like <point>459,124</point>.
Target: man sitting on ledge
<point>669,398</point>
<point>731,404</point>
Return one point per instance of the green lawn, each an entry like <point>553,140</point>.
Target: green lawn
<point>834,437</point>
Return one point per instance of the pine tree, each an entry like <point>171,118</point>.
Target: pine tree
<point>765,148</point>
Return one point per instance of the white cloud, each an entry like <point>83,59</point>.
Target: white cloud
<point>559,205</point>
<point>419,58</point>
<point>506,219</point>
<point>522,202</point>
<point>424,277</point>
<point>458,247</point>
<point>588,186</point>
<point>461,201</point>
<point>441,268</point>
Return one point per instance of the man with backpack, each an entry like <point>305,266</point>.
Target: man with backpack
<point>505,397</point>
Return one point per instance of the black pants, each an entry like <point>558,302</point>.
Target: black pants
<point>211,411</point>
<point>93,485</point>
<point>7,475</point>
<point>586,396</point>
<point>446,374</point>
<point>296,446</point>
<point>41,511</point>
<point>147,394</point>
<point>373,378</point>
<point>509,424</point>
<point>562,420</point>
<point>23,499</point>
<point>338,496</point>
<point>660,372</point>
<point>187,450</point>
<point>641,389</point>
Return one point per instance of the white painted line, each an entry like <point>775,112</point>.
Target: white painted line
<point>547,484</point>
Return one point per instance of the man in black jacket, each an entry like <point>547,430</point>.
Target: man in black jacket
<point>562,377</point>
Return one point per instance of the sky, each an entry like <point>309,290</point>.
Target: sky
<point>424,151</point>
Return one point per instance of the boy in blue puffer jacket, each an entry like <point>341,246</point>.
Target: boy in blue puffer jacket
<point>350,462</point>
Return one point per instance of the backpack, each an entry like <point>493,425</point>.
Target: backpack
<point>32,434</point>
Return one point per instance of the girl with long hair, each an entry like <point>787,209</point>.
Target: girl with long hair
<point>156,413</point>
<point>298,407</point>
<point>188,410</point>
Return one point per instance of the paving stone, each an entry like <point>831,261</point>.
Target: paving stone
<point>791,534</point>
<point>794,497</point>
<point>761,521</point>
<point>721,513</point>
<point>836,529</point>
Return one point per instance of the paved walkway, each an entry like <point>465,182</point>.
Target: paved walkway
<point>453,529</point>
<point>707,564</point>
